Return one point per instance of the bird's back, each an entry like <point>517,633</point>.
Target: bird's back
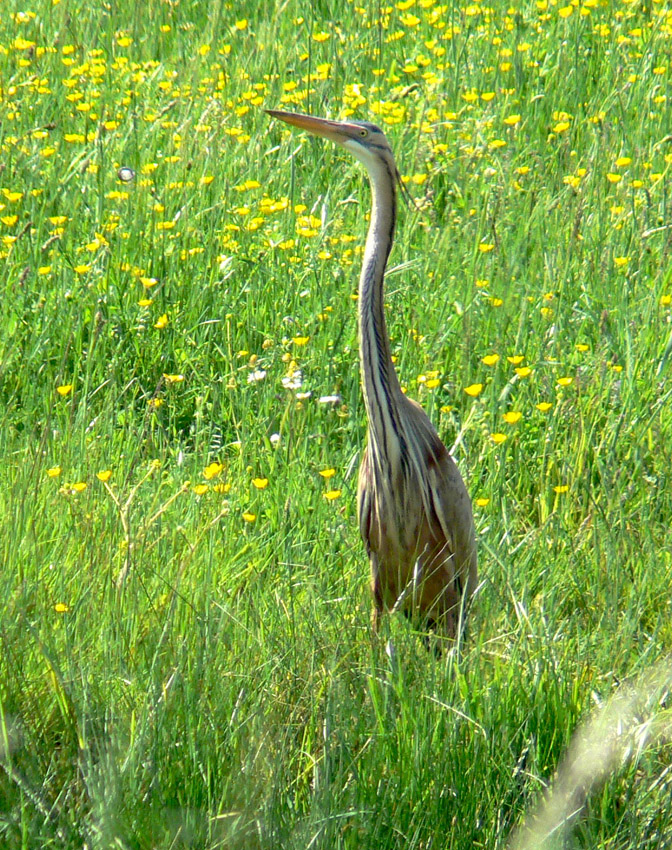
<point>417,524</point>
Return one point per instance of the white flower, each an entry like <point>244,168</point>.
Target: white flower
<point>329,399</point>
<point>294,381</point>
<point>256,376</point>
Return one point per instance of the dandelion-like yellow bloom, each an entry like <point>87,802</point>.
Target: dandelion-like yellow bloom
<point>64,389</point>
<point>199,489</point>
<point>490,359</point>
<point>512,416</point>
<point>260,483</point>
<point>249,517</point>
<point>61,608</point>
<point>544,406</point>
<point>104,475</point>
<point>561,488</point>
<point>213,470</point>
<point>498,438</point>
<point>482,501</point>
<point>474,390</point>
<point>161,322</point>
<point>330,495</point>
<point>54,472</point>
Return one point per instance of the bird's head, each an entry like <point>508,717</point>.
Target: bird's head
<point>363,140</point>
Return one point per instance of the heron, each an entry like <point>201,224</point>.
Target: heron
<point>415,514</point>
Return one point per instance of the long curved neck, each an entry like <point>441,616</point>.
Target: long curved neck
<point>382,392</point>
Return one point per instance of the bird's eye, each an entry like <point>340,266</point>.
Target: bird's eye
<point>363,132</point>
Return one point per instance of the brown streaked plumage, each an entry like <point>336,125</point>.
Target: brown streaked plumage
<point>415,514</point>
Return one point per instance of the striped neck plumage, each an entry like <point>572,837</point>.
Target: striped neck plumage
<point>382,391</point>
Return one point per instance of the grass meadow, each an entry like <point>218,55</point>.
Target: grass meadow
<point>186,653</point>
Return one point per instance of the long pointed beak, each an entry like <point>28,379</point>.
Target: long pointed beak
<point>335,131</point>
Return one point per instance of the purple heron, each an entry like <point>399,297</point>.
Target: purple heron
<point>415,514</point>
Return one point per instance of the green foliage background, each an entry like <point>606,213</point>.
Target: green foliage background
<point>186,653</point>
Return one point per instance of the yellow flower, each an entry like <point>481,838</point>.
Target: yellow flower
<point>561,488</point>
<point>498,438</point>
<point>620,262</point>
<point>199,489</point>
<point>511,120</point>
<point>161,322</point>
<point>173,379</point>
<point>474,390</point>
<point>249,517</point>
<point>516,359</point>
<point>485,247</point>
<point>432,383</point>
<point>213,470</point>
<point>565,11</point>
<point>613,178</point>
<point>564,382</point>
<point>104,475</point>
<point>241,24</point>
<point>544,406</point>
<point>523,371</point>
<point>490,359</point>
<point>82,268</point>
<point>79,487</point>
<point>581,346</point>
<point>665,300</point>
<point>327,473</point>
<point>260,483</point>
<point>64,390</point>
<point>512,417</point>
<point>54,472</point>
<point>222,487</point>
<point>300,340</point>
<point>482,502</point>
<point>330,495</point>
<point>61,608</point>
